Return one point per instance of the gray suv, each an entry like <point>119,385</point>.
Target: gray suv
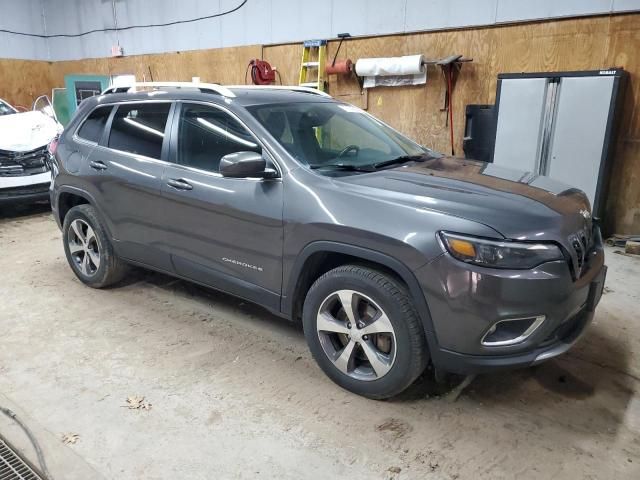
<point>391,255</point>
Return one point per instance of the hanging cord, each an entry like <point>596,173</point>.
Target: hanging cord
<point>337,51</point>
<point>450,84</point>
<point>342,36</point>
<point>36,446</point>
<point>246,72</point>
<point>115,20</point>
<point>130,27</point>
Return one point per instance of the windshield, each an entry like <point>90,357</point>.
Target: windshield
<point>6,109</point>
<point>328,136</point>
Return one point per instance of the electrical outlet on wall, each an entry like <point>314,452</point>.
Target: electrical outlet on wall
<point>117,51</point>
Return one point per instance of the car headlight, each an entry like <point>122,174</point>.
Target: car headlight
<point>499,254</point>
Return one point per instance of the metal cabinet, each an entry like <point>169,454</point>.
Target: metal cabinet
<point>560,124</point>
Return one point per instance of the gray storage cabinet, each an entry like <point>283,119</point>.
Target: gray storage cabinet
<point>560,124</point>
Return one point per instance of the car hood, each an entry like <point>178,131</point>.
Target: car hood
<point>22,132</point>
<point>518,205</point>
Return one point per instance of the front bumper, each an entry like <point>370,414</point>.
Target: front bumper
<point>25,194</point>
<point>465,364</point>
<point>465,301</point>
<point>25,188</point>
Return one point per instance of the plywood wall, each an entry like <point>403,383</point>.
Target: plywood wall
<point>223,65</point>
<point>623,206</point>
<point>574,44</point>
<point>22,81</point>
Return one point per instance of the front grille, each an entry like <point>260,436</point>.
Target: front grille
<point>24,163</point>
<point>13,467</point>
<point>580,248</point>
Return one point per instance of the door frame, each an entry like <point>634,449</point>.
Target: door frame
<point>172,156</point>
<point>231,284</point>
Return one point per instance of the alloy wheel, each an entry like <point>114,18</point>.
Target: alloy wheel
<point>84,247</point>
<point>356,335</point>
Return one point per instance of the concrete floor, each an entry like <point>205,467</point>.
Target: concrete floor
<point>235,393</point>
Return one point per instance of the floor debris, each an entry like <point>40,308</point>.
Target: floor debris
<point>70,438</point>
<point>453,395</point>
<point>135,402</point>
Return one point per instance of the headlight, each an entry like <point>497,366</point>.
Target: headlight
<point>499,254</point>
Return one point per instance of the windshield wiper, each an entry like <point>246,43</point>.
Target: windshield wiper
<point>341,166</point>
<point>370,168</point>
<point>401,159</point>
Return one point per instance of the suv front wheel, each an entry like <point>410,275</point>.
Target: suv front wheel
<point>88,249</point>
<point>364,332</point>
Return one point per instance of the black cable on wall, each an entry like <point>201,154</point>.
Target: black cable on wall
<point>129,27</point>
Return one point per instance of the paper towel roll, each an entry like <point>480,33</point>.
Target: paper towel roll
<point>392,66</point>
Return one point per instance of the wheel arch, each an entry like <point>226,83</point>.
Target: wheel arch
<point>69,197</point>
<point>319,257</point>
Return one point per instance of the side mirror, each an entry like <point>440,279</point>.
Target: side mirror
<point>244,165</point>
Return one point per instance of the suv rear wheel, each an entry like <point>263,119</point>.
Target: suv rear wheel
<point>364,332</point>
<point>88,249</point>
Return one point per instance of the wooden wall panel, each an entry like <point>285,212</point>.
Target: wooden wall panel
<point>557,46</point>
<point>571,44</point>
<point>224,65</point>
<point>623,206</point>
<point>413,110</point>
<point>22,81</point>
<point>286,58</point>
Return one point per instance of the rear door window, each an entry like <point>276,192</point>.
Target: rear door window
<point>140,128</point>
<point>93,126</point>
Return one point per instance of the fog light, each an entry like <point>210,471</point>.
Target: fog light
<point>511,331</point>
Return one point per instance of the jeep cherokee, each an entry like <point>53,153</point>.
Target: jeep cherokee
<point>391,255</point>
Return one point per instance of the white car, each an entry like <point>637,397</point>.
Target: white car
<point>24,151</point>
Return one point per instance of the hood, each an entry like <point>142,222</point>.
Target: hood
<point>22,132</point>
<point>518,205</point>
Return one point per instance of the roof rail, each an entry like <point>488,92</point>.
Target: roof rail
<point>203,87</point>
<point>293,88</point>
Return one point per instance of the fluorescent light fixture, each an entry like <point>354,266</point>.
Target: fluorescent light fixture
<point>223,132</point>
<point>133,123</point>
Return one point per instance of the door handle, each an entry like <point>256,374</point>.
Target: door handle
<point>179,184</point>
<point>97,165</point>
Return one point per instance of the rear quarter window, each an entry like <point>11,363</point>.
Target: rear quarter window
<point>93,127</point>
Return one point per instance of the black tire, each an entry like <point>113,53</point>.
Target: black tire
<point>411,351</point>
<point>111,269</point>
